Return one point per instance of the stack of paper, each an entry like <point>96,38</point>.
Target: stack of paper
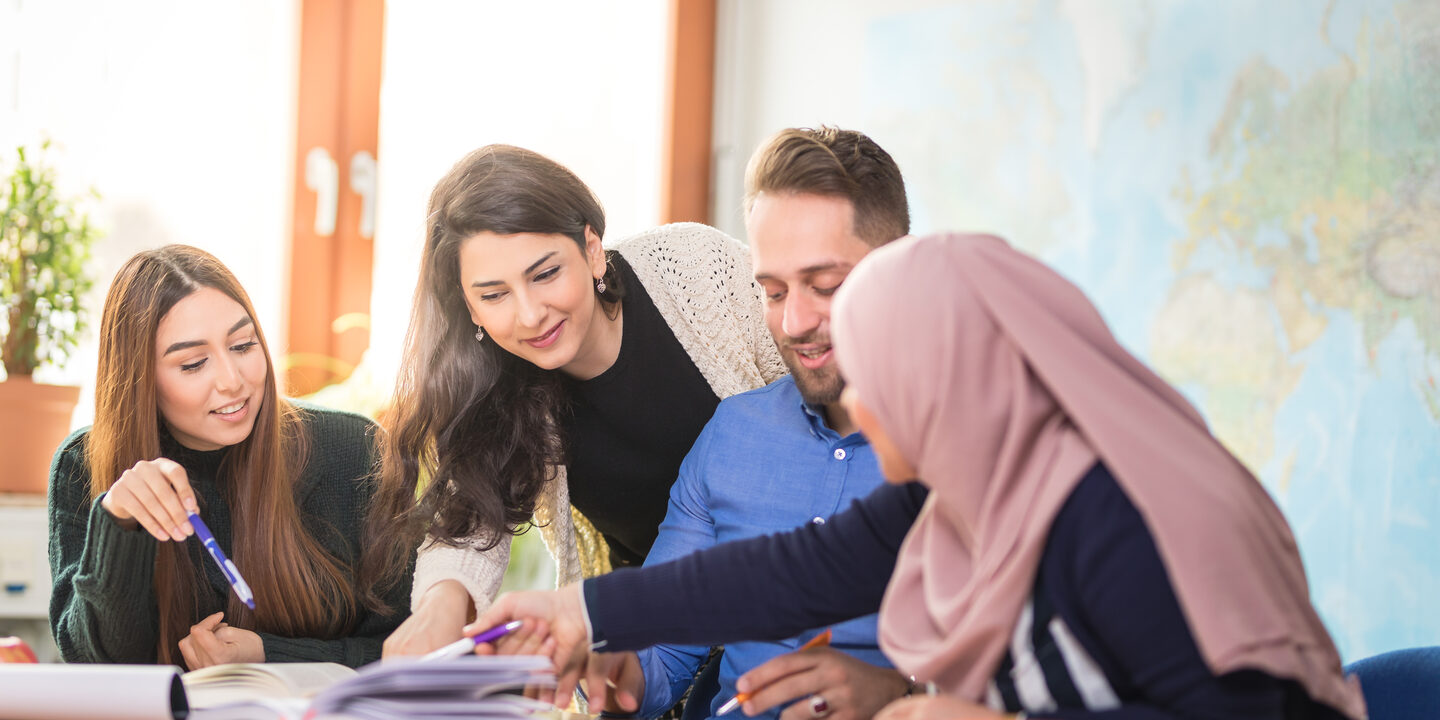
<point>470,686</point>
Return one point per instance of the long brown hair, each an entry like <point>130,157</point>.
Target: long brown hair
<point>470,414</point>
<point>302,590</point>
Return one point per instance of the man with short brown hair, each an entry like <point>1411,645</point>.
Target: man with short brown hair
<point>817,201</point>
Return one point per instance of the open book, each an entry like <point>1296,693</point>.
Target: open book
<point>244,682</point>
<point>470,687</point>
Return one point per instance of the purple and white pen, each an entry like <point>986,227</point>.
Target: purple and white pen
<point>202,532</point>
<point>467,645</point>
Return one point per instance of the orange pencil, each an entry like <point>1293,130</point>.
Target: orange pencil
<point>820,640</point>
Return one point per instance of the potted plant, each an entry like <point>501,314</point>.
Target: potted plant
<point>45,244</point>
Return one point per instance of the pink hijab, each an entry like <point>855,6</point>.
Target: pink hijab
<point>999,381</point>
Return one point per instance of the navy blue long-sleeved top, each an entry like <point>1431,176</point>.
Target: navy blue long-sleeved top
<point>1103,635</point>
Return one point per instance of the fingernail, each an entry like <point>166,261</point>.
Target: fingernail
<point>190,505</point>
<point>189,529</point>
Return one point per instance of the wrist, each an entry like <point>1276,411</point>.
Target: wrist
<point>583,610</point>
<point>126,522</point>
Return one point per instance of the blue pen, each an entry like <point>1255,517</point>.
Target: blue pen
<point>242,590</point>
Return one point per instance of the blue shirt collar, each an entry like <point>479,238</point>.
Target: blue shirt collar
<point>816,417</point>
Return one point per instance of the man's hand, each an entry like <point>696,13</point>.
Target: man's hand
<point>624,682</point>
<point>849,689</point>
<point>213,642</point>
<point>436,622</point>
<point>926,707</point>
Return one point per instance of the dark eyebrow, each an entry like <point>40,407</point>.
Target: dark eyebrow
<point>811,269</point>
<point>187,344</point>
<point>528,270</point>
<point>242,322</point>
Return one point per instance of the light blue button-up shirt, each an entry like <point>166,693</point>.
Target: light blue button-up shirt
<point>766,462</point>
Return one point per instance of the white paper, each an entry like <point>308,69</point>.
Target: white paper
<point>86,692</point>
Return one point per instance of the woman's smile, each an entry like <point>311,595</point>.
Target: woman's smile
<point>544,341</point>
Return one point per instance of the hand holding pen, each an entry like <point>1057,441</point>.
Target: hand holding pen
<point>466,645</point>
<point>562,612</point>
<point>156,495</point>
<point>827,681</point>
<point>751,688</point>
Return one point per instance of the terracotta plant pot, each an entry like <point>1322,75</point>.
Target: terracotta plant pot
<point>34,419</point>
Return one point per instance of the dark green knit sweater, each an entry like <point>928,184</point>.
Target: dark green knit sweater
<point>102,606</point>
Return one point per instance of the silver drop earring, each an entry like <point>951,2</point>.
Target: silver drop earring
<point>479,333</point>
<point>600,285</point>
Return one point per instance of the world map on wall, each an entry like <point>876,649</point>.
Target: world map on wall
<point>1250,192</point>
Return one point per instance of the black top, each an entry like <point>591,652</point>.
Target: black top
<point>102,606</point>
<point>1100,574</point>
<point>629,427</point>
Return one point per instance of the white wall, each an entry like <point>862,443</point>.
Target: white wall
<point>579,81</point>
<point>790,63</point>
<point>179,113</point>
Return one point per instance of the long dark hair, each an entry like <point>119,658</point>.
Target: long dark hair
<point>307,591</point>
<point>472,420</point>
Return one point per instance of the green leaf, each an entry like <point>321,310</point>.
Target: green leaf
<point>45,246</point>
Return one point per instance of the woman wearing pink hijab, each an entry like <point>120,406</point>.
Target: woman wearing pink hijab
<point>1086,548</point>
<point>1079,507</point>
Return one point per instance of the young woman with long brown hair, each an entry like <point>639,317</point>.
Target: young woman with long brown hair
<point>188,417</point>
<point>543,370</point>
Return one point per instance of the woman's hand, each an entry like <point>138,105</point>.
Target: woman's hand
<point>531,638</point>
<point>624,679</point>
<point>928,707</point>
<point>213,642</point>
<point>562,612</point>
<point>847,688</point>
<point>436,622</point>
<point>156,495</point>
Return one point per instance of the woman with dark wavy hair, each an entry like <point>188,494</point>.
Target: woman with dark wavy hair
<point>188,418</point>
<point>543,370</point>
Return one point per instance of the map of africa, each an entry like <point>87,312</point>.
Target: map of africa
<point>1250,192</point>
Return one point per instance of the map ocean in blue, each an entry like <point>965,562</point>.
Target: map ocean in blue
<point>1096,135</point>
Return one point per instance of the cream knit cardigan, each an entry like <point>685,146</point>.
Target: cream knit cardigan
<point>700,280</point>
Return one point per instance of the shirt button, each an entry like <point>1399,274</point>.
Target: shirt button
<point>839,453</point>
<point>818,520</point>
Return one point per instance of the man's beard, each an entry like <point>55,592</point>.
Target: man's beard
<point>818,387</point>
